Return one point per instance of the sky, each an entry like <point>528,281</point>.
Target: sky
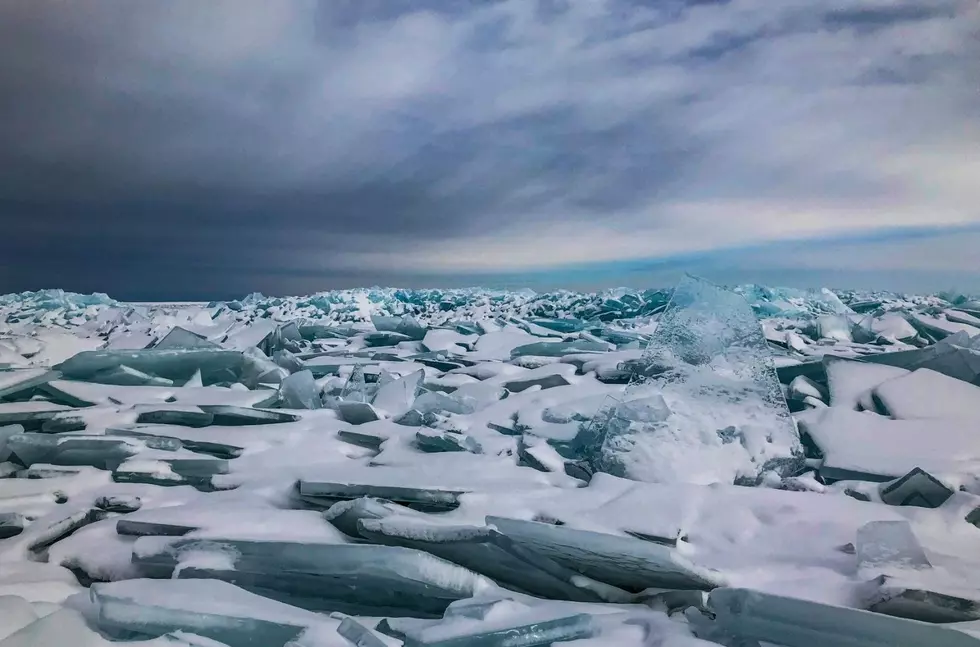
<point>182,149</point>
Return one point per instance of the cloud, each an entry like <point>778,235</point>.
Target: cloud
<point>307,145</point>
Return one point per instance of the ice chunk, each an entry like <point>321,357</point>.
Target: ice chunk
<point>426,498</point>
<point>917,488</point>
<point>710,360</point>
<point>866,446</point>
<point>182,338</point>
<point>359,579</point>
<point>431,440</point>
<point>405,325</point>
<point>6,431</point>
<point>104,452</point>
<point>258,369</point>
<point>889,545</point>
<point>803,387</point>
<point>345,515</point>
<point>436,340</point>
<point>125,376</point>
<point>209,608</point>
<point>232,416</point>
<point>395,396</point>
<point>628,563</point>
<point>559,348</point>
<point>438,402</point>
<point>21,380</point>
<point>484,550</point>
<point>299,391</point>
<point>753,615</point>
<point>122,503</point>
<point>852,382</point>
<point>63,627</point>
<point>509,623</point>
<point>216,365</point>
<point>836,327</point>
<point>940,327</point>
<point>357,413</point>
<point>546,377</point>
<point>927,394</point>
<point>173,414</point>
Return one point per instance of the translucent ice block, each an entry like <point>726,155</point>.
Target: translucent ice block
<point>753,615</point>
<point>405,325</point>
<point>396,395</point>
<point>17,381</point>
<point>231,416</point>
<point>428,498</point>
<point>559,348</point>
<point>299,391</point>
<point>104,452</point>
<point>710,360</point>
<point>216,365</point>
<point>432,440</point>
<point>628,563</point>
<point>483,550</point>
<point>173,414</point>
<point>918,488</point>
<point>503,623</point>
<point>182,338</point>
<point>358,579</point>
<point>214,609</point>
<point>125,376</point>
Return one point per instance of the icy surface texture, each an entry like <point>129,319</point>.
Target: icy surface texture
<point>723,406</point>
<point>426,467</point>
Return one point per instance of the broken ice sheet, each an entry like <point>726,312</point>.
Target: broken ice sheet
<point>487,551</point>
<point>710,360</point>
<point>13,382</point>
<point>504,623</point>
<point>927,394</point>
<point>216,365</point>
<point>395,395</point>
<point>359,579</point>
<point>214,609</point>
<point>299,391</point>
<point>779,620</point>
<point>123,375</point>
<point>629,563</point>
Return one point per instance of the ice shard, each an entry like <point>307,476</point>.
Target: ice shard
<point>104,452</point>
<point>918,488</point>
<point>431,440</point>
<point>216,365</point>
<point>232,416</point>
<point>123,375</point>
<point>710,361</point>
<point>182,338</point>
<point>299,391</point>
<point>357,579</point>
<point>395,395</point>
<point>506,623</point>
<point>559,348</point>
<point>405,325</point>
<point>143,608</point>
<point>422,498</point>
<point>16,381</point>
<point>174,414</point>
<point>754,615</point>
<point>631,564</point>
<point>484,550</point>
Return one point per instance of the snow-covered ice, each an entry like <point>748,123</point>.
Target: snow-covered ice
<point>384,467</point>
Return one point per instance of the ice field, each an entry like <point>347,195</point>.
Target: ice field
<point>479,468</point>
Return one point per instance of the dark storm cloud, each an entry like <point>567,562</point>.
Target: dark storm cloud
<point>187,148</point>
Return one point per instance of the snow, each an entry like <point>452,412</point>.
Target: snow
<point>720,489</point>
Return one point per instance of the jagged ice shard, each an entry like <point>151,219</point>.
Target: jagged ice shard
<point>728,419</point>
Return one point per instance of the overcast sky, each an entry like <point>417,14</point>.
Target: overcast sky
<point>187,149</point>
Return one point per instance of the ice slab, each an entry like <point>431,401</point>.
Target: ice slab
<point>431,440</point>
<point>209,608</point>
<point>866,446</point>
<point>125,376</point>
<point>710,361</point>
<point>423,498</point>
<point>29,415</point>
<point>230,520</point>
<point>13,382</point>
<point>299,391</point>
<point>404,325</point>
<point>507,623</point>
<point>232,416</point>
<point>559,348</point>
<point>216,365</point>
<point>753,615</point>
<point>924,393</point>
<point>173,414</point>
<point>940,327</point>
<point>358,579</point>
<point>183,339</point>
<point>12,524</point>
<point>628,563</point>
<point>15,614</point>
<point>852,382</point>
<point>104,452</point>
<point>486,551</point>
<point>395,395</point>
